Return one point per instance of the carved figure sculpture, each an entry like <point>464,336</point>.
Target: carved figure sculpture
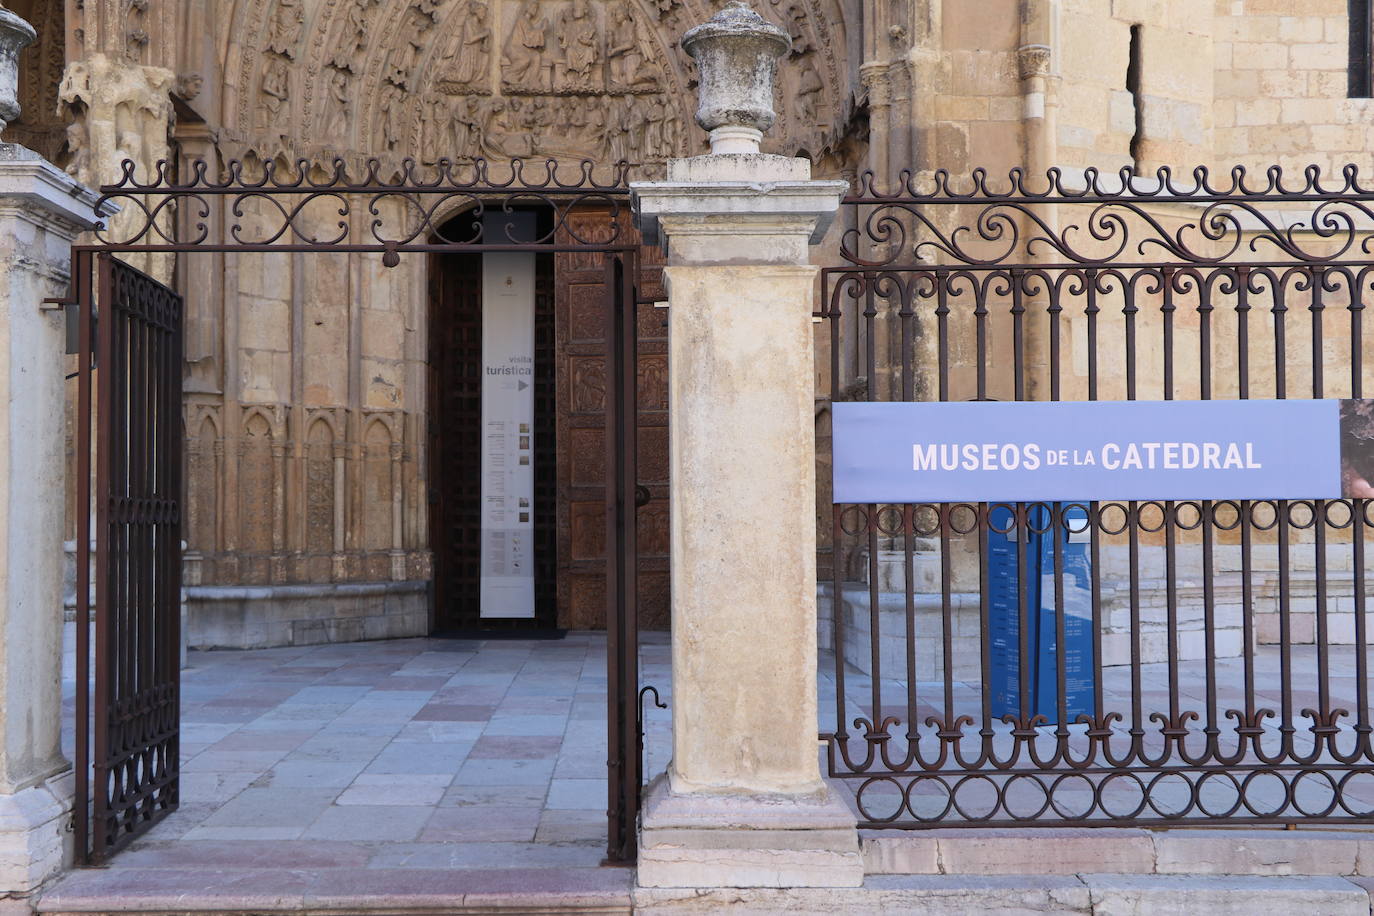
<point>337,116</point>
<point>808,97</point>
<point>580,39</point>
<point>654,118</point>
<point>276,81</point>
<point>525,64</point>
<point>620,126</point>
<point>627,53</point>
<point>78,150</point>
<point>469,64</point>
<point>354,39</point>
<point>406,55</point>
<point>391,118</point>
<point>796,27</point>
<point>432,129</point>
<point>287,26</point>
<point>469,114</point>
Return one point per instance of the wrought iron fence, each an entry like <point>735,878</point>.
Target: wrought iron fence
<point>1101,662</point>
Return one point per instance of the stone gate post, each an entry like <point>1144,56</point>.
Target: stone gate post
<point>743,802</point>
<point>42,210</point>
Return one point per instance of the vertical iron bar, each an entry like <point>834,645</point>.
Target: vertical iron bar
<point>103,586</point>
<point>1247,508</point>
<point>1358,508</point>
<point>834,315</point>
<point>1282,521</point>
<point>616,726</point>
<point>81,278</point>
<point>628,366</point>
<point>1207,510</point>
<point>1317,309</point>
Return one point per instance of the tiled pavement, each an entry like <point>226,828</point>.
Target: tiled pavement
<point>401,760</point>
<point>429,770</point>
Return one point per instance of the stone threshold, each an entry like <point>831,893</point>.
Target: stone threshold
<point>1133,851</point>
<point>404,892</point>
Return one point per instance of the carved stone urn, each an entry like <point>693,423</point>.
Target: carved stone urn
<point>15,36</point>
<point>737,54</point>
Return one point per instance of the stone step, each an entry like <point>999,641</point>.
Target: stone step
<point>427,892</point>
<point>337,891</point>
<point>1070,851</point>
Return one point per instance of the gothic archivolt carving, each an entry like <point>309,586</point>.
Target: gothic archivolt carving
<point>430,79</point>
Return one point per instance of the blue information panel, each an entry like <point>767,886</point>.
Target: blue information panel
<point>1035,569</point>
<point>999,451</point>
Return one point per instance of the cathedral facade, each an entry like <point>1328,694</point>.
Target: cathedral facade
<point>317,410</point>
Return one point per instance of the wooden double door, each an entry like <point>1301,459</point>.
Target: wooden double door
<point>571,376</point>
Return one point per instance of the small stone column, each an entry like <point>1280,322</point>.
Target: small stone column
<point>42,210</point>
<point>743,803</point>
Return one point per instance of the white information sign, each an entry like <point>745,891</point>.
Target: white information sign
<point>507,435</point>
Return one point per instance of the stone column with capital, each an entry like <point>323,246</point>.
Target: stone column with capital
<point>42,209</point>
<point>743,803</point>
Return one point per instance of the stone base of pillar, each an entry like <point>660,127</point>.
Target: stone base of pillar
<point>35,835</point>
<point>699,840</point>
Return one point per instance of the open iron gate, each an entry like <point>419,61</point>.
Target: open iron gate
<point>129,424</point>
<point>135,337</point>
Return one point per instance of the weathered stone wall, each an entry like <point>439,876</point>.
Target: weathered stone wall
<point>1281,78</point>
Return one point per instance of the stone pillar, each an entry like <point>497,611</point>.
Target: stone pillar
<point>41,211</point>
<point>743,803</point>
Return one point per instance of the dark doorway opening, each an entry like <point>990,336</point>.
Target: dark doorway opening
<point>455,443</point>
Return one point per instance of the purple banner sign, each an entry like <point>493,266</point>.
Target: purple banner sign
<point>998,451</point>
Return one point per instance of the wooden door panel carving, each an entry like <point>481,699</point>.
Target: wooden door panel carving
<point>580,329</point>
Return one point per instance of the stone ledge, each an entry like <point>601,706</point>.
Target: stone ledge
<point>1078,850</point>
<point>1086,895</point>
<point>312,590</point>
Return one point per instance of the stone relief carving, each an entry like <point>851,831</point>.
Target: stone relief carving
<point>124,112</point>
<point>582,49</point>
<point>276,86</point>
<point>189,86</point>
<point>338,102</point>
<point>579,37</point>
<point>353,42</point>
<point>601,79</point>
<point>809,90</point>
<point>466,68</point>
<point>629,52</point>
<point>136,36</point>
<point>605,128</point>
<point>405,55</point>
<point>525,66</point>
<point>796,28</point>
<point>286,28</point>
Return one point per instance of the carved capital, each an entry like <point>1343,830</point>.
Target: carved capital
<point>1032,61</point>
